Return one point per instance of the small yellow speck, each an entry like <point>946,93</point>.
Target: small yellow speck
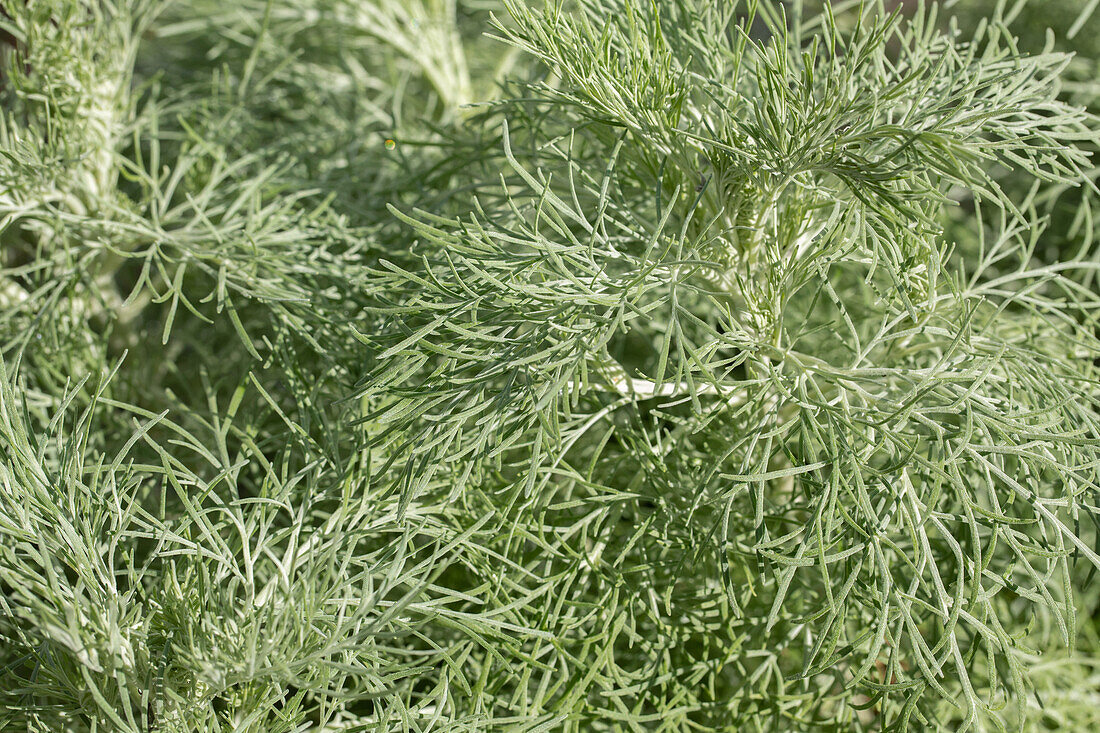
<point>390,145</point>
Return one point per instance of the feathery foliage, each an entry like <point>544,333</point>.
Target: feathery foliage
<point>610,365</point>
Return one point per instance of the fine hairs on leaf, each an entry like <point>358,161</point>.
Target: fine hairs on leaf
<point>539,365</point>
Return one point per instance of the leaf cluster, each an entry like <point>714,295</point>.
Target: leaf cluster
<point>611,365</point>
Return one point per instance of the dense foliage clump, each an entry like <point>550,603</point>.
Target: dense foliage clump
<point>607,365</point>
